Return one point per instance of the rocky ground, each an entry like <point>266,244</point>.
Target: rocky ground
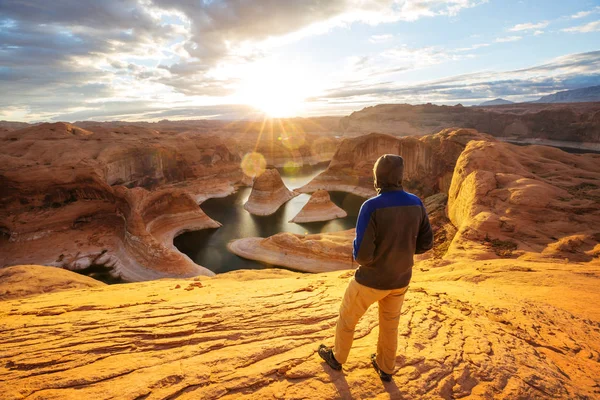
<point>494,329</point>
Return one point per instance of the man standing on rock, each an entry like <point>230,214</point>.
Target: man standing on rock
<point>391,228</point>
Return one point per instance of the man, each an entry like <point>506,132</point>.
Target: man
<point>391,228</point>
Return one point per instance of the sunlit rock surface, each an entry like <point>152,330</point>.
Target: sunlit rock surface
<point>571,123</point>
<point>488,329</point>
<point>74,198</point>
<point>307,253</point>
<point>268,194</point>
<point>428,162</point>
<point>30,280</point>
<point>319,208</point>
<point>508,201</point>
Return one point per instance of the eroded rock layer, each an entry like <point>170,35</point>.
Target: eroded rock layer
<point>514,200</point>
<point>574,123</point>
<point>30,280</point>
<point>464,331</point>
<point>268,194</point>
<point>74,198</point>
<point>319,208</point>
<point>429,162</point>
<point>307,253</point>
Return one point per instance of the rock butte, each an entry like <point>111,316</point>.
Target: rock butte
<point>319,208</point>
<point>464,331</point>
<point>268,194</point>
<point>428,162</point>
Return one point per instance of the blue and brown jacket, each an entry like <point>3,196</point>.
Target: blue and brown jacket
<point>391,228</point>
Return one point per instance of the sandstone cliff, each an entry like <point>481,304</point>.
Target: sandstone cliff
<point>429,162</point>
<point>566,122</point>
<point>74,198</point>
<point>319,208</point>
<point>268,194</point>
<point>512,200</point>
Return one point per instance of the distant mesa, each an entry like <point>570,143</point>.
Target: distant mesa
<point>497,102</point>
<point>319,208</point>
<point>268,194</point>
<point>583,95</point>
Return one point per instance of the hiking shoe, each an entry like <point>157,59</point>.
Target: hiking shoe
<point>383,375</point>
<point>327,355</point>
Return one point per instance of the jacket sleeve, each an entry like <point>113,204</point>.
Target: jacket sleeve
<point>364,243</point>
<point>425,237</point>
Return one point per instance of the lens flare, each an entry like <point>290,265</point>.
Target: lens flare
<point>291,167</point>
<point>292,140</point>
<point>253,164</point>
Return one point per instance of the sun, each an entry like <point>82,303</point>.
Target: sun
<point>276,89</point>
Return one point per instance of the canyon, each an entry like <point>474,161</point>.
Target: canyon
<point>504,306</point>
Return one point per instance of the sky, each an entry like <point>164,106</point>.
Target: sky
<point>74,60</point>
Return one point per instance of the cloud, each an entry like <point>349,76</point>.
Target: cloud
<point>380,38</point>
<point>162,49</point>
<point>563,73</point>
<point>589,27</point>
<point>539,32</point>
<point>508,39</point>
<point>529,26</point>
<point>473,47</point>
<point>583,14</point>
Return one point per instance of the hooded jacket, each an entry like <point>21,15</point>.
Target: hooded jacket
<point>391,228</point>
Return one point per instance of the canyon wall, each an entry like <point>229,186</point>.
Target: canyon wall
<point>75,198</point>
<point>428,162</point>
<point>565,122</point>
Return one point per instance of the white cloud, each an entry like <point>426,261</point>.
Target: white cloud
<point>529,26</point>
<point>590,27</point>
<point>583,14</point>
<point>537,33</point>
<point>380,38</point>
<point>508,39</point>
<point>473,47</point>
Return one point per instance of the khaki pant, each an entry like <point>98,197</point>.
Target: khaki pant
<point>357,300</point>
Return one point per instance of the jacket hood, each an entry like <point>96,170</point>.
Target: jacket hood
<point>388,172</point>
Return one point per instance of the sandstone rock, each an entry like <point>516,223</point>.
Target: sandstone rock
<point>565,122</point>
<point>319,208</point>
<point>464,331</point>
<point>67,205</point>
<point>509,200</point>
<point>307,253</point>
<point>29,280</point>
<point>268,194</point>
<point>429,162</point>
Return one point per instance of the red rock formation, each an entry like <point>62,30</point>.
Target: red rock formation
<point>30,280</point>
<point>429,162</point>
<point>63,204</point>
<point>511,200</point>
<point>307,253</point>
<point>268,194</point>
<point>319,208</point>
<point>566,122</point>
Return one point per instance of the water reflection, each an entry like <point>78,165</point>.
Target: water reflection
<point>209,247</point>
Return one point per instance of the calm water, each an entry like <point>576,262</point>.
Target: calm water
<point>208,247</point>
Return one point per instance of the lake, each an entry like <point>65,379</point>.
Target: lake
<point>208,247</point>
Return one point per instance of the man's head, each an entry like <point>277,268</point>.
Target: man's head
<point>388,172</point>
